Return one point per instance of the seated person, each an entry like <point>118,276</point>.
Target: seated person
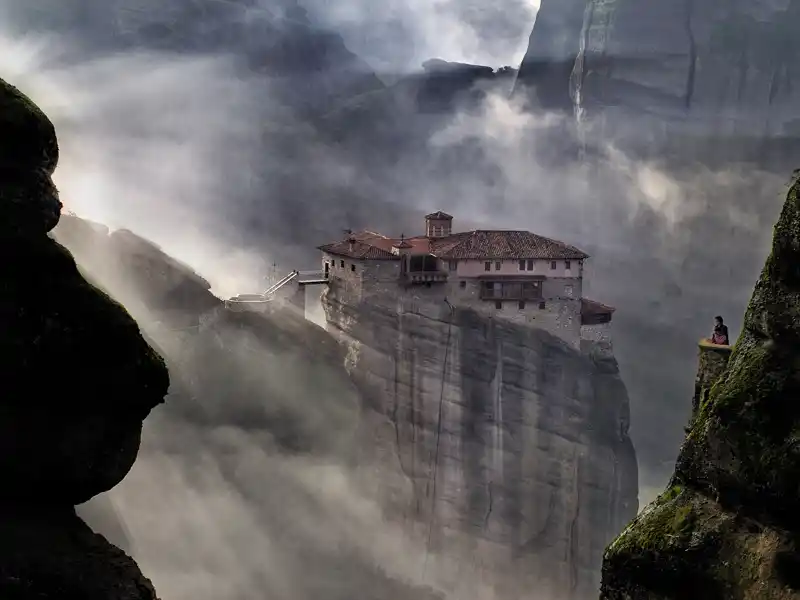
<point>719,335</point>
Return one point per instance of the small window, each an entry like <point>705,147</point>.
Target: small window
<point>567,265</point>
<point>489,285</point>
<point>542,306</point>
<point>487,266</point>
<point>341,263</point>
<point>453,265</point>
<point>498,305</point>
<point>568,291</point>
<point>462,284</point>
<point>522,304</point>
<point>353,268</point>
<point>553,265</point>
<point>522,265</point>
<point>530,265</point>
<point>497,265</point>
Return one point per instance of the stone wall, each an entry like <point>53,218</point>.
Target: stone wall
<point>557,313</point>
<point>596,340</point>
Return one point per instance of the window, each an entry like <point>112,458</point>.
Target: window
<point>530,265</point>
<point>553,265</point>
<point>487,266</point>
<point>497,265</point>
<point>567,265</point>
<point>498,305</point>
<point>542,306</point>
<point>341,263</point>
<point>353,268</point>
<point>453,265</point>
<point>522,265</point>
<point>568,291</point>
<point>522,304</point>
<point>462,284</point>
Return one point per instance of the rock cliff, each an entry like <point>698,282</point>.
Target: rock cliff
<point>691,69</point>
<point>727,526</point>
<point>78,380</point>
<point>662,77</point>
<point>552,49</point>
<point>516,446</point>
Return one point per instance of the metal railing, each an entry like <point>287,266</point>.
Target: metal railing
<point>275,287</point>
<point>311,276</point>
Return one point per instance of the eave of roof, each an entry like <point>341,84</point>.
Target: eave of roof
<point>593,307</point>
<point>360,251</point>
<point>439,215</point>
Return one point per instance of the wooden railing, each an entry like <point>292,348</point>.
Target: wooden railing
<point>426,276</point>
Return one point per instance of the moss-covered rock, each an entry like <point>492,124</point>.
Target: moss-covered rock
<point>728,526</point>
<point>744,448</point>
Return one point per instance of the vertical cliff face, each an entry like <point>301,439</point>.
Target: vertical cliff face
<point>553,47</point>
<point>77,378</point>
<point>657,76</point>
<point>728,525</point>
<point>689,68</point>
<point>515,445</point>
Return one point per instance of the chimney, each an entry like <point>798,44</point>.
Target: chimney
<point>350,239</point>
<point>438,224</point>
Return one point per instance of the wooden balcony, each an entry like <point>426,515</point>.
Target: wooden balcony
<point>528,290</point>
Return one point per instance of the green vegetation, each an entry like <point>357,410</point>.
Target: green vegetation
<point>731,510</point>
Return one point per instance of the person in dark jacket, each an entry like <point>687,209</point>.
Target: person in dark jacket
<point>720,333</point>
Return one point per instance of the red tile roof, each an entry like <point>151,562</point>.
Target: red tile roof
<point>358,249</point>
<point>494,244</point>
<point>480,244</point>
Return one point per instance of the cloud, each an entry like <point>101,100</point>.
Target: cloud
<point>399,35</point>
<point>149,142</point>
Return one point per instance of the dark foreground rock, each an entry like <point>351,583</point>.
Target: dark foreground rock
<point>51,553</point>
<point>728,526</point>
<point>78,380</point>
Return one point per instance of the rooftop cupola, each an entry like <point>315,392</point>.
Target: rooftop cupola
<point>438,224</point>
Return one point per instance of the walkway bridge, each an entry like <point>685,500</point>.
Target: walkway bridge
<point>260,301</point>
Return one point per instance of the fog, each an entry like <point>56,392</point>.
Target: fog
<point>165,145</point>
<point>399,35</point>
